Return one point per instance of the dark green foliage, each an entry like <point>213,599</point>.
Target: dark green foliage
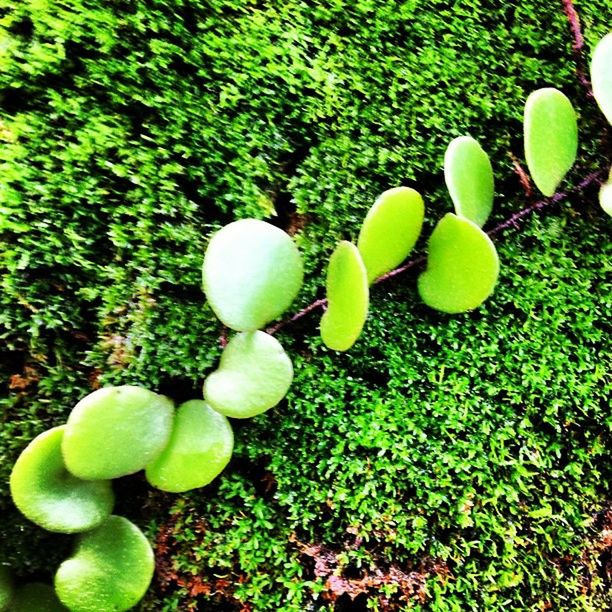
<point>131,130</point>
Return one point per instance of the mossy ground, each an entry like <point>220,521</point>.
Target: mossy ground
<point>445,463</point>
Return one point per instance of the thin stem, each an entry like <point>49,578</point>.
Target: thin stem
<point>410,264</point>
<point>522,176</point>
<point>557,197</point>
<point>512,222</point>
<point>578,45</point>
<point>322,303</point>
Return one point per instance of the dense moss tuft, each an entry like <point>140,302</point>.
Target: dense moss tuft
<point>468,452</point>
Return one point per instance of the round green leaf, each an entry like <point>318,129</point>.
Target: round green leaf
<point>50,496</point>
<point>254,374</point>
<point>6,588</point>
<point>462,266</point>
<point>601,75</point>
<point>116,431</point>
<point>347,298</point>
<point>469,179</point>
<point>200,447</point>
<point>111,569</point>
<point>252,272</point>
<point>605,195</point>
<point>390,230</point>
<point>551,138</point>
<point>36,597</point>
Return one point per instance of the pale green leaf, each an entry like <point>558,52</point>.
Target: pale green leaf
<point>469,179</point>
<point>605,195</point>
<point>390,230</point>
<point>47,494</point>
<point>347,298</point>
<point>116,431</point>
<point>200,447</point>
<point>551,138</point>
<point>252,272</point>
<point>254,374</point>
<point>601,75</point>
<point>462,266</point>
<point>111,569</point>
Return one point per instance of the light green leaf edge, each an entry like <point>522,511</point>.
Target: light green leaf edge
<point>199,449</point>
<point>111,568</point>
<point>455,280</point>
<point>605,195</point>
<point>252,272</point>
<point>348,298</point>
<point>254,375</point>
<point>390,230</point>
<point>550,138</point>
<point>601,75</point>
<point>47,494</point>
<point>469,179</point>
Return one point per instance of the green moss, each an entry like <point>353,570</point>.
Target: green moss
<point>475,443</point>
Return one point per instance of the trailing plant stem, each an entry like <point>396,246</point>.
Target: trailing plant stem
<point>512,222</point>
<point>578,46</point>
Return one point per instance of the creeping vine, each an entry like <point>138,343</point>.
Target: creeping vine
<point>252,272</point>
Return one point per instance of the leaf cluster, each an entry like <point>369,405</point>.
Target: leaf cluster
<point>139,127</point>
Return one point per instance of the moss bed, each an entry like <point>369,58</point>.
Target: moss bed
<point>444,463</point>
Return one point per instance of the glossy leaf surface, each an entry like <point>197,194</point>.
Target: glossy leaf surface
<point>200,447</point>
<point>390,230</point>
<point>252,272</point>
<point>551,138</point>
<point>462,266</point>
<point>116,431</point>
<point>111,569</point>
<point>469,179</point>
<point>601,75</point>
<point>36,597</point>
<point>254,374</point>
<point>347,298</point>
<point>50,496</point>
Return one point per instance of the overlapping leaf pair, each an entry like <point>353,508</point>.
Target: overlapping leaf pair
<point>61,481</point>
<point>462,263</point>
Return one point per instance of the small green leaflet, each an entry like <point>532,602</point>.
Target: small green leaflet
<point>200,447</point>
<point>605,195</point>
<point>469,179</point>
<point>601,75</point>
<point>462,266</point>
<point>347,298</point>
<point>252,272</point>
<point>254,374</point>
<point>390,230</point>
<point>47,494</point>
<point>550,138</point>
<point>116,431</point>
<point>111,568</point>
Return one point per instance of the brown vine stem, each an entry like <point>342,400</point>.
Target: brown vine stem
<point>522,176</point>
<point>578,46</point>
<point>595,178</point>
